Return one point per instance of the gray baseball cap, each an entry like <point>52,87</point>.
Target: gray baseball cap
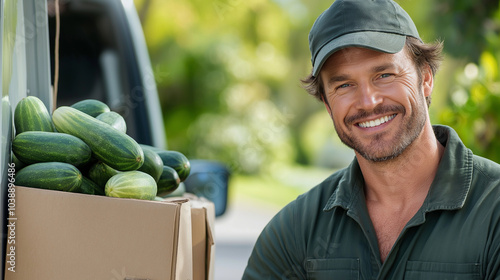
<point>381,25</point>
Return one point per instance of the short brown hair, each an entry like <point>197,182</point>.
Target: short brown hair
<point>421,53</point>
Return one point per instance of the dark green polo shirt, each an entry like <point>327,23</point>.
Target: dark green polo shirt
<point>327,233</point>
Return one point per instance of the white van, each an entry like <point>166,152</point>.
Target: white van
<point>102,55</point>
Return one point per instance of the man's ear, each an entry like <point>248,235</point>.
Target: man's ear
<point>427,80</point>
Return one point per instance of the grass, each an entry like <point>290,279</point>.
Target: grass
<point>262,189</point>
<point>278,189</point>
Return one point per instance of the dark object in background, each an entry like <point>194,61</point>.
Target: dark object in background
<point>209,179</point>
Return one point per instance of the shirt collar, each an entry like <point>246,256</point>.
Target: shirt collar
<point>448,190</point>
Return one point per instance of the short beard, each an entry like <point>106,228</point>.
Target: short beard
<point>404,138</point>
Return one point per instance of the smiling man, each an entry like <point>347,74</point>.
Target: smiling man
<point>415,203</point>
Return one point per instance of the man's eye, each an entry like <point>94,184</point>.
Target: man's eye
<point>386,75</point>
<point>343,86</point>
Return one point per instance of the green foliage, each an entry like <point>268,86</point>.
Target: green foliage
<point>228,75</point>
<point>251,136</point>
<point>473,111</point>
<point>465,25</point>
<point>475,94</point>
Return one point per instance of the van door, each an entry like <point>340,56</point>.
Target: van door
<point>25,71</point>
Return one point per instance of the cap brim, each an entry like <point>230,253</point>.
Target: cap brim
<point>379,41</point>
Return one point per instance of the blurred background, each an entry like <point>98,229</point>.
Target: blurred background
<point>228,74</point>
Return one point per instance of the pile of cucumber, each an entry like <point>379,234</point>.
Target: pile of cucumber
<point>84,148</point>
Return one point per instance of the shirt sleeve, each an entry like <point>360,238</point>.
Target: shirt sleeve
<point>276,254</point>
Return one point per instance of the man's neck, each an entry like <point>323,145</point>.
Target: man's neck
<point>407,177</point>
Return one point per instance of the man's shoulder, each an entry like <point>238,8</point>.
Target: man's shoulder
<point>486,183</point>
<point>487,168</point>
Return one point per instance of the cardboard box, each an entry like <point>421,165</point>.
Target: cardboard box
<point>203,239</point>
<point>60,235</point>
<point>202,220</point>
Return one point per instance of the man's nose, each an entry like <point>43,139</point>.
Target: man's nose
<point>368,97</point>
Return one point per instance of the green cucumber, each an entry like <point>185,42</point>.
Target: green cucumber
<point>153,165</point>
<point>90,187</point>
<point>18,165</point>
<point>50,175</point>
<point>169,181</point>
<point>114,119</point>
<point>177,161</point>
<point>100,173</point>
<point>115,148</point>
<point>32,115</point>
<point>92,107</point>
<point>41,146</point>
<point>153,148</point>
<point>131,184</point>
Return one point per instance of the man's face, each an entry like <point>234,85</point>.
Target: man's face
<point>376,99</point>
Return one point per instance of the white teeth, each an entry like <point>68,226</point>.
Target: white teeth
<point>376,122</point>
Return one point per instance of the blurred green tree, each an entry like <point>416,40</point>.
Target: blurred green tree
<point>465,25</point>
<point>228,75</point>
<point>472,33</point>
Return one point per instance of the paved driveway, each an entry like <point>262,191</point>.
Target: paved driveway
<point>235,235</point>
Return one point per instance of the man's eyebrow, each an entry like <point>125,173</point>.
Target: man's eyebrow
<point>338,78</point>
<point>383,67</point>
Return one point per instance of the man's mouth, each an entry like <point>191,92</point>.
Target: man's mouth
<point>376,122</point>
